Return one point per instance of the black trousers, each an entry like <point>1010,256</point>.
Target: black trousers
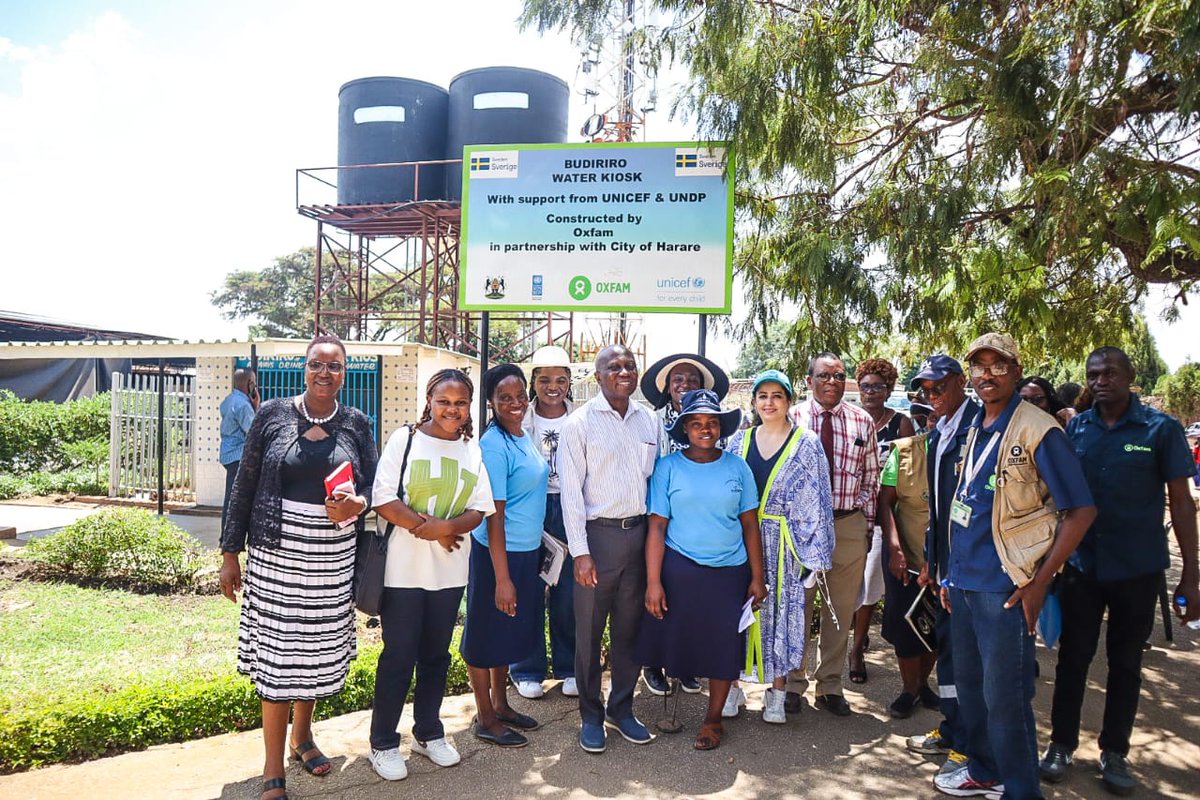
<point>1131,605</point>
<point>617,599</point>
<point>230,473</point>
<point>417,625</point>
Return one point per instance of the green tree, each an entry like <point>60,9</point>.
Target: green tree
<point>1148,365</point>
<point>774,350</point>
<point>1181,394</point>
<point>940,169</point>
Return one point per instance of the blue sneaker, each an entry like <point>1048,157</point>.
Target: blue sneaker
<point>633,730</point>
<point>592,738</point>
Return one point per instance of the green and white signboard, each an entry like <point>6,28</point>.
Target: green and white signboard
<point>630,226</point>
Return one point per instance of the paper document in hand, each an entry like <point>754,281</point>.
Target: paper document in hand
<point>339,484</point>
<point>554,555</point>
<point>747,618</point>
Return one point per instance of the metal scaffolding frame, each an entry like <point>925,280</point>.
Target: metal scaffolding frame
<point>390,272</point>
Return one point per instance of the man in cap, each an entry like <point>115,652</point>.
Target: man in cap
<point>941,380</point>
<point>663,385</point>
<point>607,450</point>
<point>847,435</point>
<point>1131,453</point>
<point>1020,506</point>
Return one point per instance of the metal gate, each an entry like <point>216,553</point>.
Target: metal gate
<point>133,426</point>
<point>283,376</point>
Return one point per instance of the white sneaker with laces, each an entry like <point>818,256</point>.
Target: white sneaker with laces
<point>530,690</point>
<point>439,751</point>
<point>773,710</point>
<point>734,702</point>
<point>570,687</point>
<point>388,764</point>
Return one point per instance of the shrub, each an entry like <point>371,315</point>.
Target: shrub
<point>126,544</point>
<point>89,725</point>
<point>36,433</point>
<point>72,481</point>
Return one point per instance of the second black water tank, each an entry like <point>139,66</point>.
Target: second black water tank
<point>503,105</point>
<point>385,120</point>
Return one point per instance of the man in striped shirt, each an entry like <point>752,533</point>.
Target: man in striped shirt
<point>847,435</point>
<point>606,453</point>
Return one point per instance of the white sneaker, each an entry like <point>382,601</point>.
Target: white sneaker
<point>439,751</point>
<point>734,702</point>
<point>530,690</point>
<point>773,710</point>
<point>389,764</point>
<point>570,688</point>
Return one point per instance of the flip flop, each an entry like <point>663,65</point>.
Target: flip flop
<point>709,737</point>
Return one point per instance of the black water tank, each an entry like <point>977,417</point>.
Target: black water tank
<point>385,120</point>
<point>503,105</point>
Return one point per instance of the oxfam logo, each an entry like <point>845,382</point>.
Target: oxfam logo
<point>580,287</point>
<point>1137,448</point>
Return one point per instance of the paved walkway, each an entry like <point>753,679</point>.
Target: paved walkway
<point>39,518</point>
<point>813,755</point>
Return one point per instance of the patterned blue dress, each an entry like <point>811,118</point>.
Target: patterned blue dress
<point>796,515</point>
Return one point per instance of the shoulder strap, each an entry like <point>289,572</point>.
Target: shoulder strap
<point>412,431</point>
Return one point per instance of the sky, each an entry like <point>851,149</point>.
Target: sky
<point>149,148</point>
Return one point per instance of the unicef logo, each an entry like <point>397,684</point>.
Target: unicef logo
<point>698,283</point>
<point>580,287</point>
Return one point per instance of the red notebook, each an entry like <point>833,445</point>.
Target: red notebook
<point>341,482</point>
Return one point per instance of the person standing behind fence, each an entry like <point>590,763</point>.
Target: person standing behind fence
<point>296,631</point>
<point>237,414</point>
<point>796,518</point>
<point>550,405</point>
<point>607,452</point>
<point>434,497</point>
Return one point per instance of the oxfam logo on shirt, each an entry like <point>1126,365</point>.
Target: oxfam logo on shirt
<point>580,287</point>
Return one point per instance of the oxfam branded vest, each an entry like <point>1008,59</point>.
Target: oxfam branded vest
<point>912,497</point>
<point>1024,517</point>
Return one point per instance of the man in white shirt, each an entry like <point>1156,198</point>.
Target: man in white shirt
<point>607,451</point>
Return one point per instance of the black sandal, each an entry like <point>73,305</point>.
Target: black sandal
<point>311,765</point>
<point>275,783</point>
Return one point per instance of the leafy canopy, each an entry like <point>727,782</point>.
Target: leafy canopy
<point>944,168</point>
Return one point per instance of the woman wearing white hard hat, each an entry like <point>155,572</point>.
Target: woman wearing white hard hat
<point>549,405</point>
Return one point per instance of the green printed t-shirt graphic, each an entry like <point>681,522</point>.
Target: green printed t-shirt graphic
<point>580,287</point>
<point>423,487</point>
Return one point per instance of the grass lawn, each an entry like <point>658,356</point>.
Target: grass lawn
<point>57,639</point>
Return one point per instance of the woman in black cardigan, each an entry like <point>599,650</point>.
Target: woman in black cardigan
<point>296,633</point>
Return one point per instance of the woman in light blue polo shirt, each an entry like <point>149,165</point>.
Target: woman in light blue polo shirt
<point>703,557</point>
<point>505,595</point>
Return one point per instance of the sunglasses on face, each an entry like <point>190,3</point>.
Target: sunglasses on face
<point>1037,400</point>
<point>997,369</point>
<point>333,367</point>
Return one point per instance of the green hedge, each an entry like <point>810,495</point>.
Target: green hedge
<point>38,435</point>
<point>89,725</point>
<point>84,480</point>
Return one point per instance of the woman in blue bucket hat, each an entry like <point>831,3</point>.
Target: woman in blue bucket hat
<point>703,557</point>
<point>795,514</point>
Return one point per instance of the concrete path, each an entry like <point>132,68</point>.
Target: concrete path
<point>39,518</point>
<point>813,755</point>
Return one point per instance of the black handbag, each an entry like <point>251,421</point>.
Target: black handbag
<point>370,554</point>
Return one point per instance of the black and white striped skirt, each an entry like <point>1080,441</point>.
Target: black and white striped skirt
<point>296,633</point>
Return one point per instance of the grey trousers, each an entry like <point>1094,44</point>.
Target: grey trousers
<point>617,599</point>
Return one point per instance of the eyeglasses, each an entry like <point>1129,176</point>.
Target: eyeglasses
<point>1038,400</point>
<point>872,388</point>
<point>830,377</point>
<point>938,389</point>
<point>333,367</point>
<point>997,369</point>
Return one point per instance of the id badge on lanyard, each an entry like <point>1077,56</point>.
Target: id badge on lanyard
<point>960,512</point>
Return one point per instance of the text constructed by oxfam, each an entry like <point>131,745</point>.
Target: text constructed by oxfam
<point>629,226</point>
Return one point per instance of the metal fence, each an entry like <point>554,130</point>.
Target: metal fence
<point>133,454</point>
<point>283,376</point>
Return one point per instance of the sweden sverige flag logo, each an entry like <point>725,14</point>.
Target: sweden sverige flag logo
<point>686,161</point>
<point>480,163</point>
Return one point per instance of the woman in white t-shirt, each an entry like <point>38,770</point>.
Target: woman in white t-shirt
<point>549,406</point>
<point>445,493</point>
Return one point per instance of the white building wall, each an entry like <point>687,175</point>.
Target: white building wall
<point>214,380</point>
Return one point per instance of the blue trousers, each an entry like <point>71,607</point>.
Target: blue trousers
<point>560,603</point>
<point>950,728</point>
<point>994,678</point>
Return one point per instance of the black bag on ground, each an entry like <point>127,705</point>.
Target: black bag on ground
<point>370,554</point>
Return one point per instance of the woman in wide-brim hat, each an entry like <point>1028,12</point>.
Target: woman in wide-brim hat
<point>665,383</point>
<point>703,557</point>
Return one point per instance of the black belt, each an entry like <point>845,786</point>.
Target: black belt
<point>624,523</point>
<point>839,513</point>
